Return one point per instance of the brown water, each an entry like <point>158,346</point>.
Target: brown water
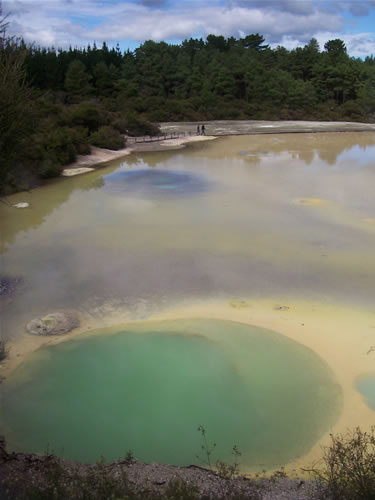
<point>239,220</point>
<point>289,215</point>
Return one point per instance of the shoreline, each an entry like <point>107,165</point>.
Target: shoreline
<point>98,156</point>
<point>341,336</point>
<point>218,128</point>
<point>258,127</point>
<point>329,330</point>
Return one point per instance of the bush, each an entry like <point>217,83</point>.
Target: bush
<point>59,146</point>
<point>137,126</point>
<point>49,168</point>
<point>79,136</point>
<point>108,138</point>
<point>121,125</point>
<point>348,472</point>
<point>85,115</point>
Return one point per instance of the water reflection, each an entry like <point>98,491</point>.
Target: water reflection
<point>327,147</point>
<point>249,233</point>
<point>155,182</point>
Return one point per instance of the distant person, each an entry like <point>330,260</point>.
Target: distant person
<point>203,130</point>
<point>198,130</point>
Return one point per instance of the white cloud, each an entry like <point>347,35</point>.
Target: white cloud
<point>358,44</point>
<point>303,7</point>
<point>282,22</point>
<point>355,7</point>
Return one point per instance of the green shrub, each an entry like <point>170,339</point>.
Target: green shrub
<point>138,126</point>
<point>80,139</point>
<point>348,471</point>
<point>59,146</point>
<point>108,138</point>
<point>86,115</point>
<point>49,168</point>
<point>121,125</point>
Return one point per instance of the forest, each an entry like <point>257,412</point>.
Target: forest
<point>56,103</point>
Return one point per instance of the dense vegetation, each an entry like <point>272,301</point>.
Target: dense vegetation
<point>55,103</point>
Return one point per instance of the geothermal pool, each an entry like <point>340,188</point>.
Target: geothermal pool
<point>229,285</point>
<point>147,387</point>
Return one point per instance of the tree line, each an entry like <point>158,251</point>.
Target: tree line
<point>55,103</point>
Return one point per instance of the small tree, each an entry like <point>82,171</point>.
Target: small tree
<point>336,49</point>
<point>16,104</point>
<point>77,80</point>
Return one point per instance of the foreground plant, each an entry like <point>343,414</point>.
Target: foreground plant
<point>225,470</point>
<point>348,471</point>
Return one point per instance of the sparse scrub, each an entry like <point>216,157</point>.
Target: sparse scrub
<point>225,470</point>
<point>56,481</point>
<point>180,490</point>
<point>206,448</point>
<point>31,477</point>
<point>229,471</point>
<point>348,471</point>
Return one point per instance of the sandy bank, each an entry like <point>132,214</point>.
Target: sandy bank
<point>214,129</point>
<point>85,163</point>
<point>341,336</point>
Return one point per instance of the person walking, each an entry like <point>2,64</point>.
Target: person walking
<point>203,130</point>
<point>198,130</point>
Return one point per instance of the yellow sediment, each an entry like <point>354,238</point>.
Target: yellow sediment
<point>341,336</point>
<point>338,213</point>
<point>312,201</point>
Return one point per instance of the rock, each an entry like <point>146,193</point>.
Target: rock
<point>57,323</point>
<point>22,205</point>
<point>69,172</point>
<point>281,308</point>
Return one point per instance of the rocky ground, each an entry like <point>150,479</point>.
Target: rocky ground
<point>24,475</point>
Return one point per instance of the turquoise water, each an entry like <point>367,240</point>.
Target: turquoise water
<point>366,386</point>
<point>275,218</point>
<point>148,386</point>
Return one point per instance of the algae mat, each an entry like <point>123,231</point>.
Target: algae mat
<point>147,387</point>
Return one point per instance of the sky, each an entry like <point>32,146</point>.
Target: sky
<point>290,23</point>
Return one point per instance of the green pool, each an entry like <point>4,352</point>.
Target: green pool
<point>147,386</point>
<point>366,386</point>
